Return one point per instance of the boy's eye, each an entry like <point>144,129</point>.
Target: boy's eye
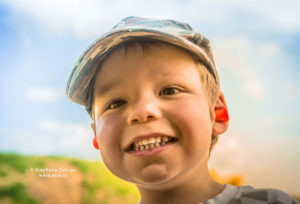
<point>169,91</point>
<point>115,103</point>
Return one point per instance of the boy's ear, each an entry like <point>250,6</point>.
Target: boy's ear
<point>220,124</point>
<point>95,141</point>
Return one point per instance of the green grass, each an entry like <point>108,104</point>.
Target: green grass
<point>21,163</point>
<point>3,173</point>
<point>57,158</point>
<point>96,177</point>
<point>98,184</point>
<point>82,166</point>
<point>17,192</point>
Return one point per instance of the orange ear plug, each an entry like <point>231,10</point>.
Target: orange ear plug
<point>222,115</point>
<point>95,143</point>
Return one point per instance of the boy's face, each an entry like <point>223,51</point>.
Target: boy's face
<point>146,96</point>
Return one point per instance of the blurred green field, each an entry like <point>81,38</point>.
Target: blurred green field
<point>24,180</point>
<point>21,181</point>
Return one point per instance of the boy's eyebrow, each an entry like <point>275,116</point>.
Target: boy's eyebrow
<point>103,89</point>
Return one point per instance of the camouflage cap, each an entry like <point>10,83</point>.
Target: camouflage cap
<point>131,28</point>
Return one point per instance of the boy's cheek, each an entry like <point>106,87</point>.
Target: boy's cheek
<point>192,120</point>
<point>192,113</point>
<point>108,130</point>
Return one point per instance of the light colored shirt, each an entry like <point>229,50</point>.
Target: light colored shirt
<point>249,195</point>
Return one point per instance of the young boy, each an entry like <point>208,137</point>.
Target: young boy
<point>153,93</point>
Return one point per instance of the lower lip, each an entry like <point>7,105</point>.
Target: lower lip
<point>146,153</point>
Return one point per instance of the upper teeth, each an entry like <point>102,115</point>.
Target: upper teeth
<point>150,143</point>
<point>152,140</point>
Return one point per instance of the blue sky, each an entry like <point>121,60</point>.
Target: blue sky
<point>256,46</point>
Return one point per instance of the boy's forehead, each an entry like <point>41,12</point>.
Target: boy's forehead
<point>154,64</point>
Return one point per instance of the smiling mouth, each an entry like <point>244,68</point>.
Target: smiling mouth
<point>150,143</point>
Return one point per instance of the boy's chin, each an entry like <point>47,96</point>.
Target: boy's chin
<point>154,173</point>
<point>154,176</point>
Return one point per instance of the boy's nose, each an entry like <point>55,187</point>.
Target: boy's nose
<point>143,111</point>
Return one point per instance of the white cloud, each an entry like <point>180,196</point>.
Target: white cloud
<point>71,135</point>
<point>84,18</point>
<point>51,137</point>
<point>72,139</point>
<point>42,94</point>
<point>269,50</point>
<point>290,90</point>
<point>89,18</point>
<point>254,88</point>
<point>48,125</point>
<point>279,16</point>
<point>249,60</point>
<point>276,121</point>
<point>240,56</point>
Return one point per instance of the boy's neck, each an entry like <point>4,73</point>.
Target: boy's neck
<point>193,190</point>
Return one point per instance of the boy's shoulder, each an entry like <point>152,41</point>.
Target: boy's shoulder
<point>250,195</point>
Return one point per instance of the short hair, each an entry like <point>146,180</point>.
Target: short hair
<point>211,88</point>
